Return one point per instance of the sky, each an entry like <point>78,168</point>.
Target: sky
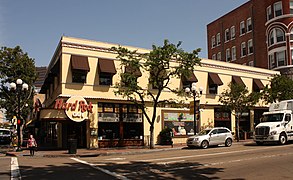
<point>37,26</point>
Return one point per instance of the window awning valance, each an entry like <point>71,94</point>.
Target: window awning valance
<point>237,80</point>
<point>80,63</point>
<point>106,66</point>
<point>258,84</point>
<point>214,79</point>
<point>191,78</point>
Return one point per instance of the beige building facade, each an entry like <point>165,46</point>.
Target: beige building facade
<point>80,102</point>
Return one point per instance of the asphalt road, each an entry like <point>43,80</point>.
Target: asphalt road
<point>236,162</point>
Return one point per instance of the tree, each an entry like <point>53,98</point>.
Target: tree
<point>15,64</point>
<point>163,63</point>
<point>238,100</point>
<point>281,88</point>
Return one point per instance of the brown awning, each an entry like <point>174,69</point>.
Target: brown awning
<point>80,63</point>
<point>237,80</point>
<point>106,66</point>
<point>258,84</point>
<point>214,79</point>
<point>135,71</point>
<point>191,78</point>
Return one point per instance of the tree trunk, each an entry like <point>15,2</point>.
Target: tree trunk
<point>152,144</point>
<point>237,128</point>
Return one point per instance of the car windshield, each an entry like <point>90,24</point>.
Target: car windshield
<point>273,117</point>
<point>3,132</point>
<point>204,132</point>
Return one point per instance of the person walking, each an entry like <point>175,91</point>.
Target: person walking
<point>32,144</point>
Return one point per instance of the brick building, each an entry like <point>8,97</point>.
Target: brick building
<point>258,33</point>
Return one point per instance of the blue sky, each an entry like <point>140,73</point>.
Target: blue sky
<point>37,25</point>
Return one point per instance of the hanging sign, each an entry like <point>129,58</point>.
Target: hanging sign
<point>76,108</point>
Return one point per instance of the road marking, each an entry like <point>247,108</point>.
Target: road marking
<point>203,155</point>
<point>118,176</point>
<point>228,162</point>
<point>115,159</point>
<point>15,172</point>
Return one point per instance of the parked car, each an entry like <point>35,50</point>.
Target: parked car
<point>211,137</point>
<point>5,136</point>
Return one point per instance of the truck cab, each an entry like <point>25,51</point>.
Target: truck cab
<point>276,125</point>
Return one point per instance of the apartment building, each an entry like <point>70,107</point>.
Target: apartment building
<point>258,33</point>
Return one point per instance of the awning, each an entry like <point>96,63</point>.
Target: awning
<point>237,80</point>
<point>80,63</point>
<point>106,66</point>
<point>135,71</point>
<point>191,78</point>
<point>214,79</point>
<point>257,84</point>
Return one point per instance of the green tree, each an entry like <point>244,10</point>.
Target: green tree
<point>16,64</point>
<point>238,100</point>
<point>280,88</point>
<point>163,63</point>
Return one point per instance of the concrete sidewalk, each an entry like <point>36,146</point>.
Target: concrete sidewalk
<point>105,151</point>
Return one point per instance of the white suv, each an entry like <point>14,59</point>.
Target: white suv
<point>211,137</point>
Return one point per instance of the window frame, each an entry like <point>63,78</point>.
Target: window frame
<point>219,56</point>
<point>218,39</point>
<point>228,55</point>
<point>232,30</point>
<point>213,41</point>
<point>291,6</point>
<point>242,28</point>
<point>227,35</point>
<point>249,25</point>
<point>250,47</point>
<point>105,76</point>
<point>269,13</point>
<point>278,12</point>
<point>243,49</point>
<point>77,76</point>
<point>233,50</point>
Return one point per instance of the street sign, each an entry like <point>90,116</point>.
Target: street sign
<point>191,107</point>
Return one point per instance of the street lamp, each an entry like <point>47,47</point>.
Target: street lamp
<point>194,93</point>
<point>18,87</point>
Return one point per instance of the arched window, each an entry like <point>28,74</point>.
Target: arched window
<point>280,35</point>
<point>276,35</point>
<point>291,34</point>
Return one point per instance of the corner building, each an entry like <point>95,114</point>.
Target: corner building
<point>258,33</point>
<point>80,102</point>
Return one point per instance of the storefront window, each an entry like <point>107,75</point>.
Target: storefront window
<point>181,122</point>
<point>119,121</point>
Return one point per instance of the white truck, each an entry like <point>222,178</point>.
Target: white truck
<point>276,125</point>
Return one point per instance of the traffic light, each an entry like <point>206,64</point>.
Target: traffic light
<point>19,122</point>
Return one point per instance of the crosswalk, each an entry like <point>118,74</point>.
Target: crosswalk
<point>15,172</point>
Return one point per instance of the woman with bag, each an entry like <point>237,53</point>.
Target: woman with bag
<point>32,144</point>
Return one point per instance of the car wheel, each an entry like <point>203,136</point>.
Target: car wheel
<point>228,142</point>
<point>205,144</point>
<point>259,143</point>
<point>282,139</point>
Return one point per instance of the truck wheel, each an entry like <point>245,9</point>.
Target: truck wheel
<point>282,139</point>
<point>259,143</point>
<point>205,144</point>
<point>228,142</point>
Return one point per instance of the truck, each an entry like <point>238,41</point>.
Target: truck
<point>276,125</point>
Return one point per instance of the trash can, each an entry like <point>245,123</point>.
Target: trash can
<point>72,146</point>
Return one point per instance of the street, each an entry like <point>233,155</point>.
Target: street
<point>237,162</point>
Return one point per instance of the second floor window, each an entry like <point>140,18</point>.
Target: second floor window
<point>228,56</point>
<point>278,9</point>
<point>280,58</point>
<point>250,46</point>
<point>233,53</point>
<point>243,49</point>
<point>219,56</point>
<point>276,35</point>
<point>105,79</point>
<point>79,76</point>
<point>272,61</point>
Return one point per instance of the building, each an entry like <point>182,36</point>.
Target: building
<point>80,101</point>
<point>258,33</point>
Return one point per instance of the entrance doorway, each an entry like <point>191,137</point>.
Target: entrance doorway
<point>74,130</point>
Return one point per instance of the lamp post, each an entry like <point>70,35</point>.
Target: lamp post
<point>18,87</point>
<point>194,93</point>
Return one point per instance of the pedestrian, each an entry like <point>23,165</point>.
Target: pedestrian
<point>32,144</point>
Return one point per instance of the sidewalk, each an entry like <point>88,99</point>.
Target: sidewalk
<point>105,151</point>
